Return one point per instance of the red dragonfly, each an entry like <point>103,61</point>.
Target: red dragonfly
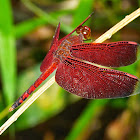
<point>84,79</point>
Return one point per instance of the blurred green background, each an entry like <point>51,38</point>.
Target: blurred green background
<point>26,31</point>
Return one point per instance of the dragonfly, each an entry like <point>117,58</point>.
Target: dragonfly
<point>70,56</point>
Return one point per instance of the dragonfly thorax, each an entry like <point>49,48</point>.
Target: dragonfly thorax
<point>63,50</point>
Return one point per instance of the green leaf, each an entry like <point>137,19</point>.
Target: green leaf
<point>7,51</point>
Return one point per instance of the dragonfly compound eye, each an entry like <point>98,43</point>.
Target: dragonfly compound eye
<point>79,29</point>
<point>86,32</point>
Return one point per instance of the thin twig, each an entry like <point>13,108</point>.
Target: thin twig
<point>102,38</point>
<point>118,26</point>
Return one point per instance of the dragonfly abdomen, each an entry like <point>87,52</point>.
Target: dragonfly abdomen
<point>32,88</point>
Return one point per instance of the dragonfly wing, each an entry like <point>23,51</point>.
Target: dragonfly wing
<point>89,81</point>
<point>113,54</point>
<point>49,57</point>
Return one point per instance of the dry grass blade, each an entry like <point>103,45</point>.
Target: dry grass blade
<point>102,38</point>
<point>118,26</point>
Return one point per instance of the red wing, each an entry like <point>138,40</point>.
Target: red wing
<point>89,81</point>
<point>113,54</point>
<point>49,57</point>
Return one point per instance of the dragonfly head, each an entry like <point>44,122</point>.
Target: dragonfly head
<point>85,31</point>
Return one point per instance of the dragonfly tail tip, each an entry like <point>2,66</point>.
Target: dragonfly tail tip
<point>11,109</point>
